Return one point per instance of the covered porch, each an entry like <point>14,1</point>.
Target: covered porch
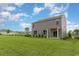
<point>53,33</point>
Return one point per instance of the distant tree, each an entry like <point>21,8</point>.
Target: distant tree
<point>70,33</point>
<point>27,29</point>
<point>8,31</point>
<point>0,34</point>
<point>27,32</point>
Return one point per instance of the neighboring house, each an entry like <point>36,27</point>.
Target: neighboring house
<point>75,34</point>
<point>51,27</point>
<point>3,31</point>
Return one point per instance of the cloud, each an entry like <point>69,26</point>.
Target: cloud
<point>66,14</point>
<point>7,7</point>
<point>55,9</point>
<point>49,5</point>
<point>37,10</point>
<point>5,14</point>
<point>12,17</point>
<point>2,26</point>
<point>72,26</point>
<point>24,25</point>
<point>19,4</point>
<point>16,17</point>
<point>2,21</point>
<point>68,22</point>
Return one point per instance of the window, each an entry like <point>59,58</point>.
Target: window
<point>35,32</point>
<point>55,33</point>
<point>44,32</point>
<point>57,22</point>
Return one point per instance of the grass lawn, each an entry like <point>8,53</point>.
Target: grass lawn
<point>26,46</point>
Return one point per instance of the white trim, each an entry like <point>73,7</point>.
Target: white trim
<point>47,33</point>
<point>57,33</point>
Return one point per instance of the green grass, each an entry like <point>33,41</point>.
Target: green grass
<point>26,46</point>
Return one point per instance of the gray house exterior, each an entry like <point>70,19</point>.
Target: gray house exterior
<point>50,27</point>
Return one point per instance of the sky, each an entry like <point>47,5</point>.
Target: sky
<point>18,16</point>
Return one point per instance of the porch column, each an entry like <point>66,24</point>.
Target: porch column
<point>47,33</point>
<point>57,33</point>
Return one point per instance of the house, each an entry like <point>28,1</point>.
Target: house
<point>75,34</point>
<point>50,27</point>
<point>3,31</point>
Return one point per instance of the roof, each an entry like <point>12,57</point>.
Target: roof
<point>48,19</point>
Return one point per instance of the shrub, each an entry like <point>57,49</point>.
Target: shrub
<point>45,36</point>
<point>39,35</point>
<point>70,34</point>
<point>67,37</point>
<point>28,35</point>
<point>76,37</point>
<point>0,34</point>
